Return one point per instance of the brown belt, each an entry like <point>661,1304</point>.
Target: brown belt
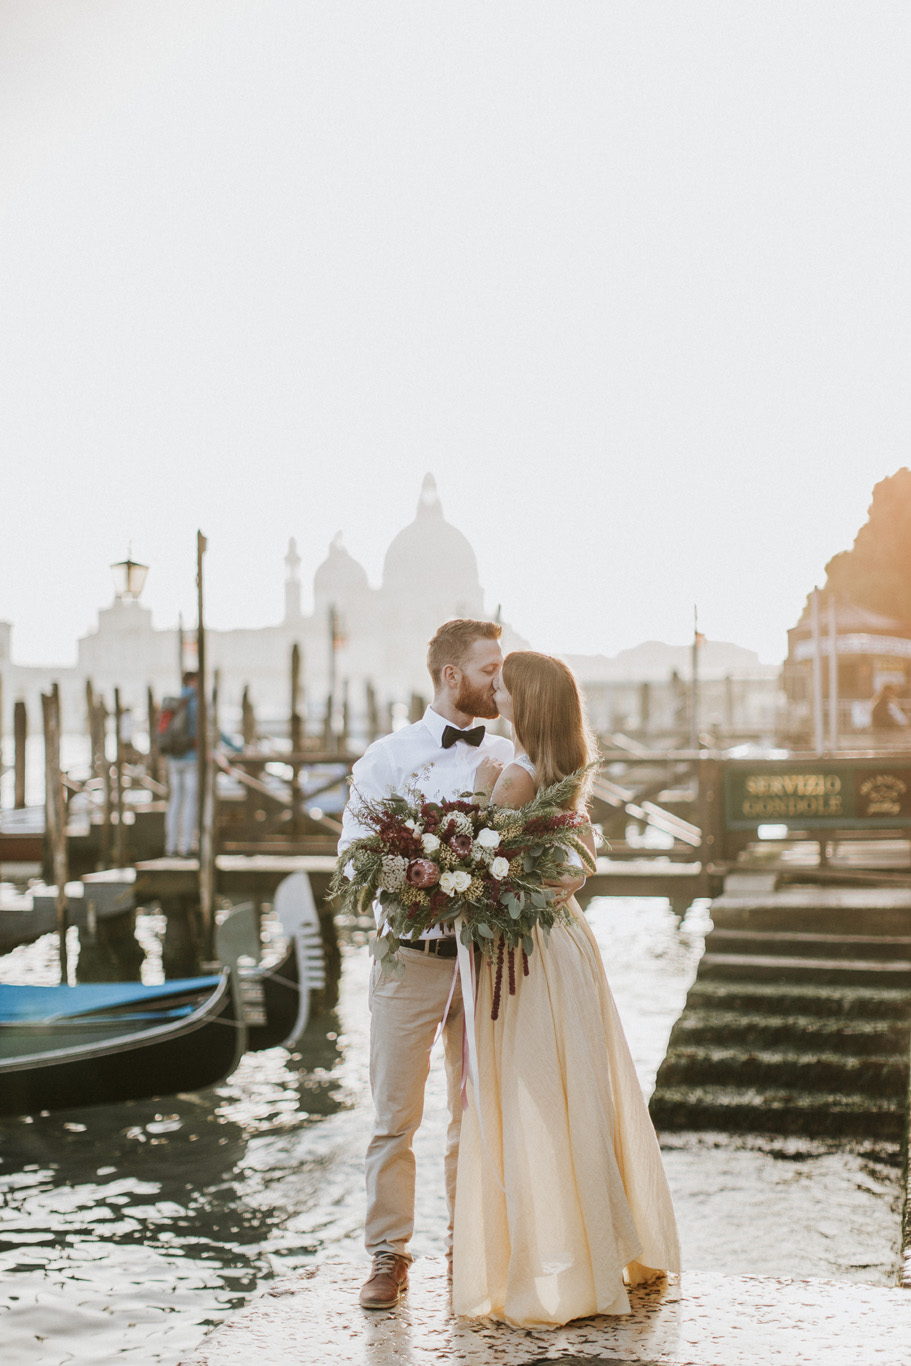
<point>440,948</point>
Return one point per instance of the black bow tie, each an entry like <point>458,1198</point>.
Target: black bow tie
<point>471,737</point>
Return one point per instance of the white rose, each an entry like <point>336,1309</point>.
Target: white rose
<point>499,868</point>
<point>414,826</point>
<point>461,880</point>
<point>430,844</point>
<point>487,838</point>
<point>447,882</point>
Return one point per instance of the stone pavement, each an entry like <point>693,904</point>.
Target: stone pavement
<point>697,1319</point>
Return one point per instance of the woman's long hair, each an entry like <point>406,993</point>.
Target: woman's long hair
<point>549,717</point>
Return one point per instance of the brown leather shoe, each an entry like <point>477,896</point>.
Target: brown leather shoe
<point>387,1282</point>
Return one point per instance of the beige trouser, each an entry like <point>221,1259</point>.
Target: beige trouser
<point>405,1013</point>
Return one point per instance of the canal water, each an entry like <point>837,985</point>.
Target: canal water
<point>126,1231</point>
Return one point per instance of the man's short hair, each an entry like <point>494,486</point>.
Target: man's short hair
<point>453,641</point>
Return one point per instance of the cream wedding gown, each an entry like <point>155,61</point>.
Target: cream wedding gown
<point>585,1209</point>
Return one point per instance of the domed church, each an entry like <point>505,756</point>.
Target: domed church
<point>355,634</point>
<point>430,575</point>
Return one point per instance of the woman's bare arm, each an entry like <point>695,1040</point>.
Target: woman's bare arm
<point>514,787</point>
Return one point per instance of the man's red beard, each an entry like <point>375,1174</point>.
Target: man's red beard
<point>473,701</point>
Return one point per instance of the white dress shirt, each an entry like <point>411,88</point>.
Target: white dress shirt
<point>414,757</point>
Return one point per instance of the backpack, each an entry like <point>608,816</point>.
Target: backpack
<point>174,727</point>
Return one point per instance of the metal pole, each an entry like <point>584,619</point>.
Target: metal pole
<point>833,677</point>
<point>818,740</point>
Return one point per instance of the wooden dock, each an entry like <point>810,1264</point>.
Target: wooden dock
<point>253,876</point>
<point>257,876</point>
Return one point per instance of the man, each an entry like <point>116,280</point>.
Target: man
<point>440,755</point>
<point>183,781</point>
<point>887,714</point>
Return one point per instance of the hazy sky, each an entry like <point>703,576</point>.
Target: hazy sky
<point>631,279</point>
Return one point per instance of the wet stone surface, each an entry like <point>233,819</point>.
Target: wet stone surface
<point>696,1319</point>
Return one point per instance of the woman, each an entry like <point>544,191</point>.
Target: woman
<point>561,1198</point>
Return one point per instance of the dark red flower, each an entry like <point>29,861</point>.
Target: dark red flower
<point>422,872</point>
<point>460,844</point>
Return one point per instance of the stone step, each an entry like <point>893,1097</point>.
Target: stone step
<point>839,1001</point>
<point>804,1072</point>
<point>824,910</point>
<point>860,1037</point>
<point>869,920</point>
<point>771,967</point>
<point>800,943</point>
<point>745,1110</point>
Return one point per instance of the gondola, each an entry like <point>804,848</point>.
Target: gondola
<point>277,996</point>
<point>103,1042</point>
<point>113,1041</point>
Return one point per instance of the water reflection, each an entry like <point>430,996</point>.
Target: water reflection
<point>158,1217</point>
<point>190,1189</point>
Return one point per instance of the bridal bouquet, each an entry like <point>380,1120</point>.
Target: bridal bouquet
<point>431,864</point>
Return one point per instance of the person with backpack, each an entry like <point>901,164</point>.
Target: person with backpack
<point>177,740</point>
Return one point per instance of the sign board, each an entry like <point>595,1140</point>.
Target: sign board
<point>818,794</point>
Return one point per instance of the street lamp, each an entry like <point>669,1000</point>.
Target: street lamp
<point>129,578</point>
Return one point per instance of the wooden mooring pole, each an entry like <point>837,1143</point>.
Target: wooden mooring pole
<point>346,717</point>
<point>154,766</point>
<point>206,769</point>
<point>120,831</point>
<point>416,707</point>
<point>102,769</point>
<point>202,728</point>
<point>248,719</point>
<point>55,816</point>
<point>373,713</point>
<point>20,735</point>
<point>207,836</point>
<point>297,738</point>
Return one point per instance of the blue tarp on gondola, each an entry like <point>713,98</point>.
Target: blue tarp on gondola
<point>19,1003</point>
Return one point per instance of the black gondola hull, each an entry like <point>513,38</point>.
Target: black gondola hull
<point>158,1059</point>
